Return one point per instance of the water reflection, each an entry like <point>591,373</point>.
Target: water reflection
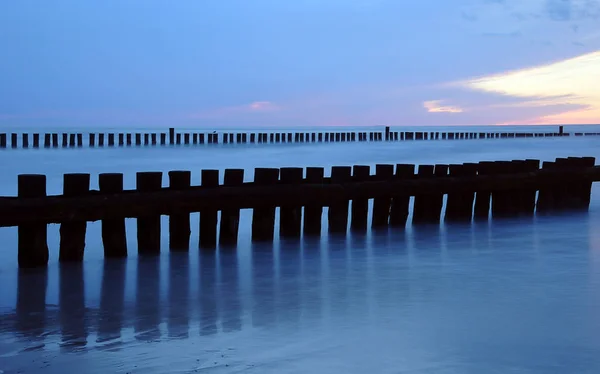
<point>438,273</point>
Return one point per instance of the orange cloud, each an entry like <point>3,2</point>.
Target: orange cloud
<point>434,106</point>
<point>572,82</point>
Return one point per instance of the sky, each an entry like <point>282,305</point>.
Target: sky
<point>299,62</point>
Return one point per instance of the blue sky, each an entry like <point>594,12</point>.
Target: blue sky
<point>298,62</point>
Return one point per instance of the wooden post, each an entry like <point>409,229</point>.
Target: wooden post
<point>201,138</point>
<point>360,206</point>
<point>387,133</point>
<point>482,198</point>
<point>100,140</point>
<point>244,138</point>
<point>179,224</point>
<point>456,201</point>
<point>72,140</point>
<point>25,140</point>
<point>65,140</point>
<point>128,139</point>
<point>36,140</point>
<point>338,211</point>
<point>422,203</point>
<point>230,218</point>
<point>381,205</point>
<point>545,201</point>
<point>289,137</point>
<point>153,138</point>
<point>148,228</point>
<point>400,203</point>
<point>320,137</point>
<point>113,230</point>
<point>271,137</point>
<point>138,139</point>
<point>72,234</point>
<point>13,140</point>
<point>2,140</point>
<point>208,218</point>
<point>163,138</point>
<point>313,213</point>
<point>111,140</point>
<point>291,214</point>
<point>502,201</point>
<point>91,141</point>
<point>171,135</point>
<point>32,237</point>
<point>263,219</point>
<point>121,139</point>
<point>178,139</point>
<point>252,138</point>
<point>54,140</point>
<point>186,139</point>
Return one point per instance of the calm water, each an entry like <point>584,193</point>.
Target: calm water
<point>515,296</point>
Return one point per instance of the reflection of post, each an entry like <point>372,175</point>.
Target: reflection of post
<point>263,287</point>
<point>288,283</point>
<point>31,305</point>
<point>230,308</point>
<point>72,306</point>
<point>208,294</point>
<point>112,300</point>
<point>179,294</point>
<point>312,280</point>
<point>147,302</point>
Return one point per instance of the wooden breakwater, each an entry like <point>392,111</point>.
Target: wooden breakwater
<point>474,191</point>
<point>173,138</point>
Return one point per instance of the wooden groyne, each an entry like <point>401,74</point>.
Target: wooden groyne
<point>473,191</point>
<point>173,138</point>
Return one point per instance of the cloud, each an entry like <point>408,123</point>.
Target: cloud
<point>434,106</point>
<point>572,82</point>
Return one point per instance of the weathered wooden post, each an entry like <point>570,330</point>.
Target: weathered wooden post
<point>381,205</point>
<point>387,133</point>
<point>25,140</point>
<point>138,139</point>
<point>482,198</point>
<point>114,237</point>
<point>582,190</point>
<point>148,227</point>
<point>72,234</point>
<point>208,217</point>
<point>36,140</point>
<point>263,219</point>
<point>121,139</point>
<point>13,140</point>
<point>289,137</point>
<point>244,138</point>
<point>561,130</point>
<point>2,140</point>
<point>422,201</point>
<point>72,140</point>
<point>186,139</point>
<point>171,135</point>
<point>178,139</point>
<point>65,140</point>
<point>338,210</point>
<point>80,140</point>
<point>401,202</point>
<point>455,201</point>
<point>163,138</point>
<point>32,236</point>
<point>290,214</point>
<point>128,140</point>
<point>545,201</point>
<point>153,138</point>
<point>91,140</point>
<point>111,140</point>
<point>179,224</point>
<point>146,139</point>
<point>100,140</point>
<point>54,140</point>
<point>313,212</point>
<point>271,137</point>
<point>360,206</point>
<point>230,218</point>
<point>503,204</point>
<point>201,138</point>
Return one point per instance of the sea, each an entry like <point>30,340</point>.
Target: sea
<point>507,296</point>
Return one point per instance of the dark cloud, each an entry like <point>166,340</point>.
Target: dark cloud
<point>559,10</point>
